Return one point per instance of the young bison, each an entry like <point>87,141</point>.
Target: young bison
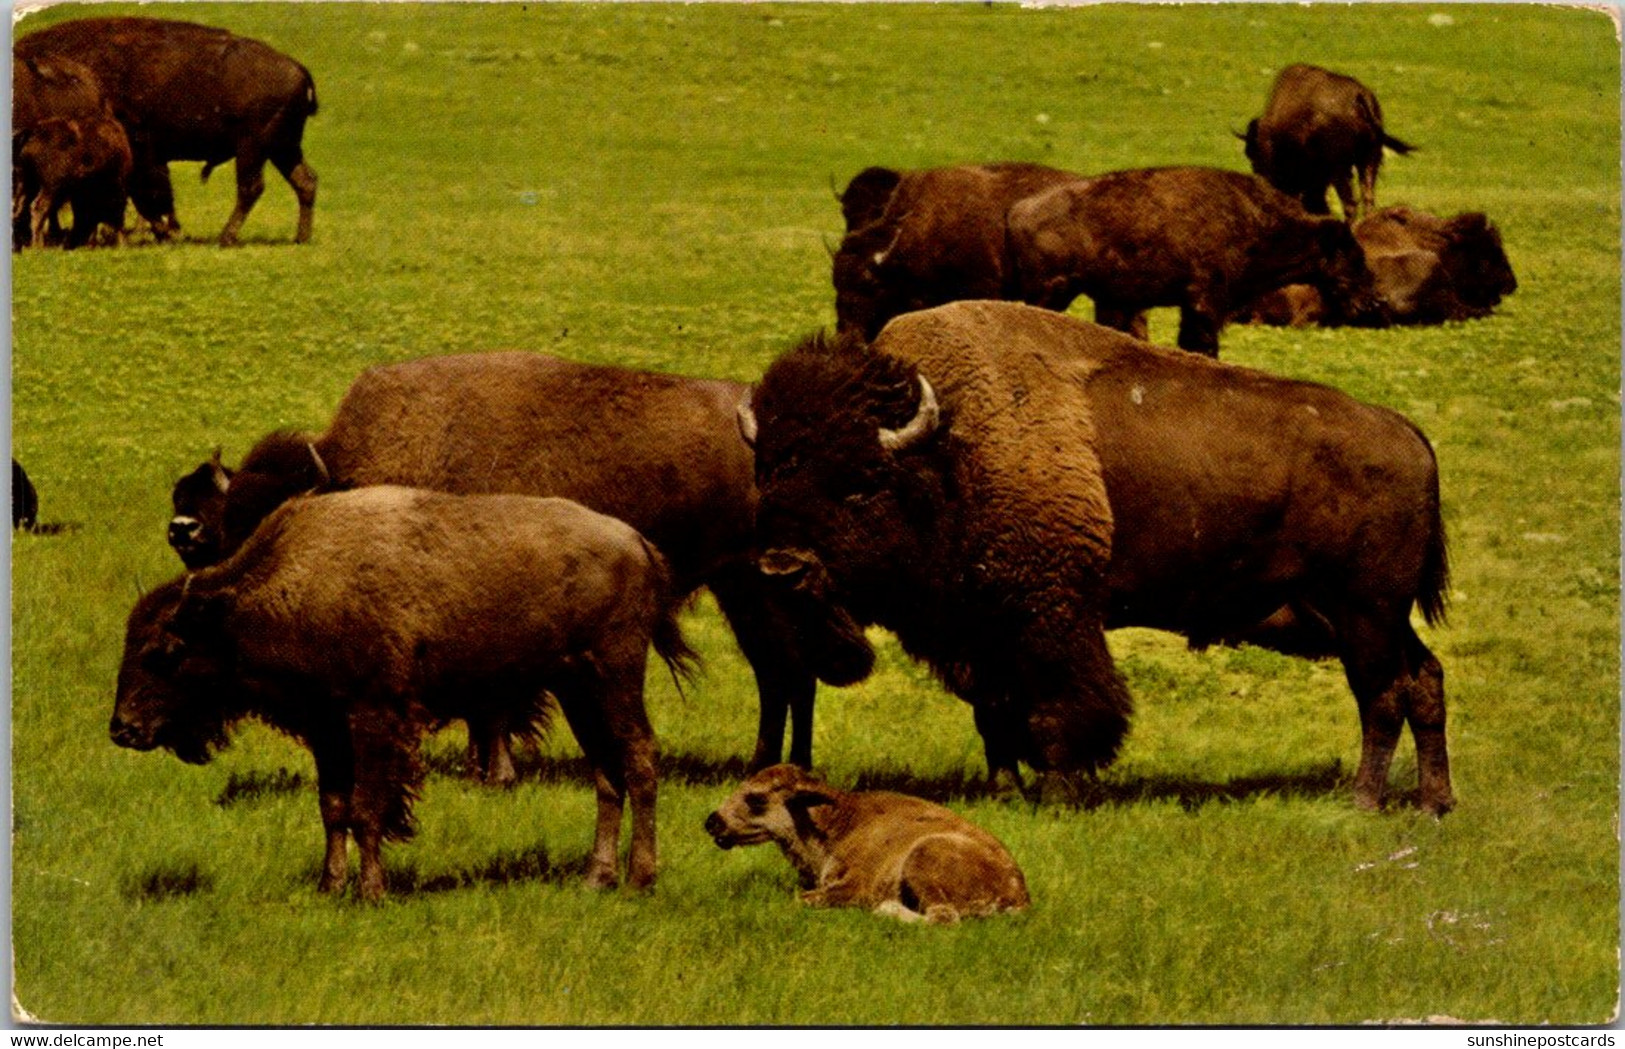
<point>889,853</point>
<point>359,621</point>
<point>80,161</point>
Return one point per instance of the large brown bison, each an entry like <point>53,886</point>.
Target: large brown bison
<point>660,452</point>
<point>922,238</point>
<point>999,485</point>
<point>1427,270</point>
<point>1318,129</point>
<point>191,92</point>
<point>1204,240</point>
<point>358,621</point>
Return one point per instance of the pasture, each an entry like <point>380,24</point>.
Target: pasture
<point>649,185</point>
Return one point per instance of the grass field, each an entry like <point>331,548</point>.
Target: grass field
<point>648,185</point>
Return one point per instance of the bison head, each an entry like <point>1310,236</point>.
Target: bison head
<point>199,501</point>
<point>872,284</point>
<point>851,497</point>
<point>172,684</point>
<point>1476,263</point>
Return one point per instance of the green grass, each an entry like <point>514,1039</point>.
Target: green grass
<point>649,185</point>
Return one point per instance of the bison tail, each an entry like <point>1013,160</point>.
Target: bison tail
<point>208,169</point>
<point>1434,591</point>
<point>1397,145</point>
<point>667,635</point>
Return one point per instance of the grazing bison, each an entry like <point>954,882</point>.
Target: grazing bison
<point>657,451</point>
<point>79,161</point>
<point>45,87</point>
<point>922,238</point>
<point>1318,128</point>
<point>193,92</point>
<point>358,621</point>
<point>1202,239</point>
<point>1427,270</point>
<point>892,854</point>
<point>999,485</point>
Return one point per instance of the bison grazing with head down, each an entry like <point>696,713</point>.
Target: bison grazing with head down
<point>360,620</point>
<point>1202,239</point>
<point>1427,270</point>
<point>922,238</point>
<point>1319,127</point>
<point>193,92</point>
<point>657,451</point>
<point>999,485</point>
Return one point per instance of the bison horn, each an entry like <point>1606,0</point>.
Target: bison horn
<point>217,471</point>
<point>747,420</point>
<point>321,467</point>
<point>881,255</point>
<point>924,421</point>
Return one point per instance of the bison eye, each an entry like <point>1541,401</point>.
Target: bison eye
<point>756,803</point>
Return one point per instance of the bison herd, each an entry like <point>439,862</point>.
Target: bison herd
<point>489,537</point>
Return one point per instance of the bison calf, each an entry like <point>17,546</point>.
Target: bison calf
<point>80,161</point>
<point>888,853</point>
<point>1319,127</point>
<point>1204,240</point>
<point>356,622</point>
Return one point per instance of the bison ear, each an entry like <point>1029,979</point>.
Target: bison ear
<point>811,795</point>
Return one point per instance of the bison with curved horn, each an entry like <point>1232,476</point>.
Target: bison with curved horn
<point>999,485</point>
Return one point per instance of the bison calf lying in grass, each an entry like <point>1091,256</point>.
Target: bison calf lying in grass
<point>356,622</point>
<point>889,853</point>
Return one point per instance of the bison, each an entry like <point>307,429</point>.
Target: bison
<point>24,499</point>
<point>922,238</point>
<point>1427,270</point>
<point>1318,128</point>
<point>45,87</point>
<point>192,92</point>
<point>1202,239</point>
<point>79,161</point>
<point>1000,485</point>
<point>658,451</point>
<point>895,855</point>
<point>357,621</point>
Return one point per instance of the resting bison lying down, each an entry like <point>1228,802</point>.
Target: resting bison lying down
<point>999,485</point>
<point>660,452</point>
<point>357,622</point>
<point>888,853</point>
<point>1204,240</point>
<point>1319,127</point>
<point>1428,270</point>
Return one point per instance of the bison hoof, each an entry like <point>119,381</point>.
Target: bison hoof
<point>600,878</point>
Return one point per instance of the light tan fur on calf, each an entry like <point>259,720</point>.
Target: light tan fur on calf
<point>892,854</point>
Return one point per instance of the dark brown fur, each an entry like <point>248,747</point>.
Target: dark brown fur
<point>191,92</point>
<point>1076,480</point>
<point>922,238</point>
<point>1427,270</point>
<point>660,452</point>
<point>45,87</point>
<point>80,161</point>
<point>358,621</point>
<point>1318,128</point>
<point>1202,239</point>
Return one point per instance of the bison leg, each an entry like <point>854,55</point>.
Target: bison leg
<point>783,683</point>
<point>1001,739</point>
<point>335,779</point>
<point>1345,196</point>
<point>490,757</point>
<point>1374,662</point>
<point>42,216</point>
<point>250,184</point>
<point>387,775</point>
<point>1123,318</point>
<point>610,724</point>
<point>302,177</point>
<point>1426,715</point>
<point>1199,326</point>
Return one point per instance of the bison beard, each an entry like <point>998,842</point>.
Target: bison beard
<point>895,536</point>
